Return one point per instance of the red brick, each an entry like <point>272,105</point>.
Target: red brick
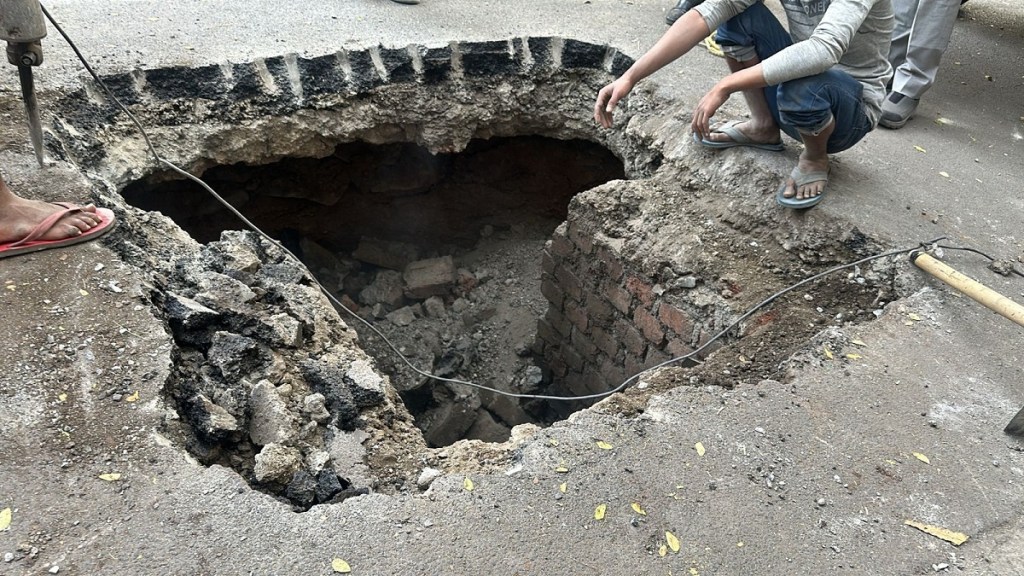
<point>577,315</point>
<point>569,283</point>
<point>599,310</point>
<point>561,247</point>
<point>641,289</point>
<point>556,364</point>
<point>612,373</point>
<point>704,338</point>
<point>604,342</point>
<point>572,358</point>
<point>547,262</point>
<point>558,322</point>
<point>619,298</point>
<point>655,357</point>
<point>649,326</point>
<point>676,320</point>
<point>552,292</point>
<point>583,344</point>
<point>678,348</point>
<point>547,333</point>
<point>630,337</point>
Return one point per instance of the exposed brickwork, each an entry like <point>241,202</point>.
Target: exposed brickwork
<point>649,326</point>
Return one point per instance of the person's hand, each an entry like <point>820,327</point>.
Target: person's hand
<point>607,98</point>
<point>706,108</point>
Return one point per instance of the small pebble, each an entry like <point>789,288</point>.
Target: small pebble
<point>9,557</point>
<point>54,569</point>
<point>821,502</point>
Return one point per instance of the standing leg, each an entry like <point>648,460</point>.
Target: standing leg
<point>19,216</point>
<point>923,30</point>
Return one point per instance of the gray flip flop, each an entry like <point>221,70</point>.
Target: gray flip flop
<point>801,179</point>
<point>737,138</point>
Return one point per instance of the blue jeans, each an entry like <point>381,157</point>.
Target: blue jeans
<point>804,105</point>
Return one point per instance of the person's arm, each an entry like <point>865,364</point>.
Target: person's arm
<point>678,40</point>
<point>745,79</point>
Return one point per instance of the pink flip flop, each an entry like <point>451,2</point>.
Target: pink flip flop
<point>30,243</point>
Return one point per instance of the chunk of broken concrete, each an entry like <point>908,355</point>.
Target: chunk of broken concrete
<point>430,277</point>
<point>277,463</point>
<point>271,422</point>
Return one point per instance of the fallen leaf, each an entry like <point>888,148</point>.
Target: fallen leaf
<point>5,519</point>
<point>858,343</point>
<point>919,149</point>
<point>662,550</point>
<point>62,397</point>
<point>562,487</point>
<point>954,538</point>
<point>638,509</point>
<point>940,121</point>
<point>83,292</point>
<point>599,511</point>
<point>922,458</point>
<point>467,484</point>
<point>852,356</point>
<point>133,398</point>
<point>699,447</point>
<point>340,566</point>
<point>828,353</point>
<point>11,286</point>
<point>739,544</point>
<point>944,174</point>
<point>694,572</point>
<point>673,542</point>
<point>603,445</point>
<point>561,469</point>
<point>914,317</point>
<point>112,477</point>
<point>553,442</point>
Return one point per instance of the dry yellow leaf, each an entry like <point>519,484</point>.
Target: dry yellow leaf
<point>922,458</point>
<point>62,396</point>
<point>699,447</point>
<point>467,484</point>
<point>944,174</point>
<point>563,487</point>
<point>828,353</point>
<point>340,566</point>
<point>638,508</point>
<point>673,542</point>
<point>914,317</point>
<point>83,292</point>
<point>561,469</point>
<point>133,398</point>
<point>5,519</point>
<point>919,149</point>
<point>954,538</point>
<point>662,550</point>
<point>553,442</point>
<point>852,356</point>
<point>603,445</point>
<point>112,477</point>
<point>599,511</point>
<point>858,342</point>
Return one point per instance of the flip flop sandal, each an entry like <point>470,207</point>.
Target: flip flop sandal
<point>801,179</point>
<point>31,242</point>
<point>738,138</point>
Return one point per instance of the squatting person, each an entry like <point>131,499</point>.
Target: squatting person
<point>822,83</point>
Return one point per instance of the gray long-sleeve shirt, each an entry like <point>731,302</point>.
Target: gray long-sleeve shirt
<point>852,35</point>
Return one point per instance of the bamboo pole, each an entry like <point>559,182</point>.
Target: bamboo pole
<point>975,290</point>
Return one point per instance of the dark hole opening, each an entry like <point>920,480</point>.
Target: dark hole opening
<point>362,217</point>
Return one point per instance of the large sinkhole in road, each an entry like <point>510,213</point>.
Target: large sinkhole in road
<point>442,253</point>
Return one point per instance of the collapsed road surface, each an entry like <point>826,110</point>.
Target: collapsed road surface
<point>806,442</point>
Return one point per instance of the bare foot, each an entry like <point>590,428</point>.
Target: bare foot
<point>810,189</point>
<point>761,133</point>
<point>19,216</point>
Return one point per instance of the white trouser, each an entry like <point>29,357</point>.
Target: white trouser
<point>922,32</point>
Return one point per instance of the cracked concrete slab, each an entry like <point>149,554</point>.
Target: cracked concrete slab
<point>813,473</point>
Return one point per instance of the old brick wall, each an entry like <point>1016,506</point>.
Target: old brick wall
<point>605,320</point>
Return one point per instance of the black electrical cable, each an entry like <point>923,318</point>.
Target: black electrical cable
<point>376,331</point>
